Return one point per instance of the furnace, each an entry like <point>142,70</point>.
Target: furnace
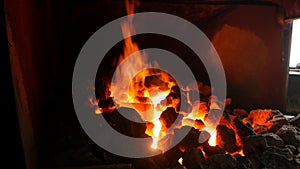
<point>252,127</point>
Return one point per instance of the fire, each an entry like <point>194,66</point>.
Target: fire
<point>94,103</point>
<point>131,70</point>
<point>156,99</point>
<point>213,138</point>
<point>157,96</point>
<point>213,135</point>
<point>180,161</point>
<point>148,91</point>
<point>241,153</point>
<point>156,133</point>
<point>127,69</point>
<point>199,111</point>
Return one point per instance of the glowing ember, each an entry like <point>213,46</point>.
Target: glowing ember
<point>213,134</point>
<point>157,96</point>
<point>94,103</point>
<point>180,161</point>
<point>240,152</point>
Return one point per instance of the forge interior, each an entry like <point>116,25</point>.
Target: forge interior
<point>41,40</point>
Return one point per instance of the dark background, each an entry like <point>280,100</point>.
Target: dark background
<point>13,139</point>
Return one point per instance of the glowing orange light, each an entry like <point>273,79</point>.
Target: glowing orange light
<point>156,133</point>
<point>151,101</point>
<point>212,139</point>
<point>241,153</point>
<point>180,161</point>
<point>156,99</point>
<point>213,136</point>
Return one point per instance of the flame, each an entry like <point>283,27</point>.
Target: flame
<point>156,133</point>
<point>213,138</point>
<point>197,114</point>
<point>240,152</point>
<point>148,101</point>
<point>131,70</point>
<point>213,133</point>
<point>94,103</point>
<point>125,72</point>
<point>180,160</point>
<point>156,99</point>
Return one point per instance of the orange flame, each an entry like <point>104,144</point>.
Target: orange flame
<point>147,101</point>
<point>157,124</point>
<point>131,70</point>
<point>180,161</point>
<point>94,103</point>
<point>213,138</point>
<point>156,133</point>
<point>125,72</point>
<point>240,152</point>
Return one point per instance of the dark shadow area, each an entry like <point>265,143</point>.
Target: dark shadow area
<point>15,152</point>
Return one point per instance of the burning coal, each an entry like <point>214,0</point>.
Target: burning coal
<point>157,97</point>
<point>161,102</point>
